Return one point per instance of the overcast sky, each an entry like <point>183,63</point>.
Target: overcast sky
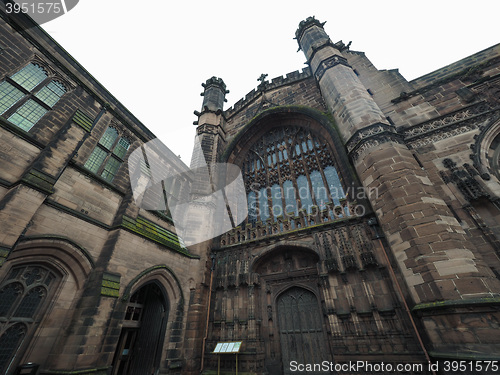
<point>153,55</point>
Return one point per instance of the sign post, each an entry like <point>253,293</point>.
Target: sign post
<point>227,348</point>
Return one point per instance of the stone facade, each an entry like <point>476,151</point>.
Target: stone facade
<point>373,230</point>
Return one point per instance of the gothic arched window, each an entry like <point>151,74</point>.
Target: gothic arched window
<point>287,171</point>
<point>22,300</point>
<point>26,96</point>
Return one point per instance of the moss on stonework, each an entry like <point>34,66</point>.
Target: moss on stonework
<point>83,120</point>
<point>155,233</point>
<point>40,181</point>
<point>456,303</point>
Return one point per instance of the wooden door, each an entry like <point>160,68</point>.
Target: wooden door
<point>141,341</point>
<point>301,329</point>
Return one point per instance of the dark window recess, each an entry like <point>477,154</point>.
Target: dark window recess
<point>466,94</point>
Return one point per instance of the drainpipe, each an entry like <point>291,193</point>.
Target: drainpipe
<point>212,256</point>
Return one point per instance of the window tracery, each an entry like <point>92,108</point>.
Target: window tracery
<point>27,95</point>
<point>290,170</point>
<point>22,297</point>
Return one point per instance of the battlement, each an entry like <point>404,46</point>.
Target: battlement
<point>305,24</point>
<point>266,86</point>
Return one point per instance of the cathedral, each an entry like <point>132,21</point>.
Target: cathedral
<point>370,241</point>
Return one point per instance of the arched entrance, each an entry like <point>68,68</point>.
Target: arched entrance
<point>141,340</point>
<point>301,330</point>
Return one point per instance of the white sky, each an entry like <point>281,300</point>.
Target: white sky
<point>153,55</point>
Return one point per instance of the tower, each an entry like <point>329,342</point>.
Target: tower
<point>442,269</point>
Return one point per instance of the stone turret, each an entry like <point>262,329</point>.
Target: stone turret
<point>210,121</point>
<point>214,95</point>
<point>439,263</point>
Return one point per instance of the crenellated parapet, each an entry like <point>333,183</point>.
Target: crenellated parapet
<point>275,83</point>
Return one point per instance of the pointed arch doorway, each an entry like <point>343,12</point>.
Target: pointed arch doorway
<point>301,329</point>
<point>141,340</point>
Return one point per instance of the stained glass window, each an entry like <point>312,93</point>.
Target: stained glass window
<point>301,174</point>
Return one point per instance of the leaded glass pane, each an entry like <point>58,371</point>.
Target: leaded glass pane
<point>109,137</point>
<point>96,159</point>
<point>51,93</point>
<point>110,169</point>
<point>9,95</point>
<point>310,144</point>
<point>289,193</point>
<point>304,193</point>
<point>30,303</point>
<point>263,205</point>
<point>276,195</point>
<point>8,296</point>
<point>9,343</point>
<point>319,190</point>
<point>27,115</point>
<point>252,207</point>
<point>30,76</point>
<point>121,148</point>
<point>297,150</point>
<point>336,190</point>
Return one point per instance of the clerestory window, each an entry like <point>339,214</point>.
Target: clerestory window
<point>287,171</point>
<point>26,96</point>
<point>108,155</point>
